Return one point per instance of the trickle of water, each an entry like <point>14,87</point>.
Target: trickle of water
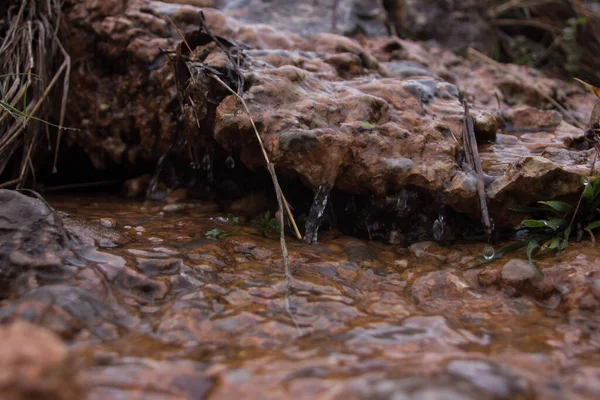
<point>151,193</point>
<point>439,226</point>
<point>488,252</point>
<point>313,222</point>
<point>207,164</point>
<point>230,162</point>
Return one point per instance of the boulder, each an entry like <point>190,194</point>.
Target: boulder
<point>36,364</point>
<point>32,238</point>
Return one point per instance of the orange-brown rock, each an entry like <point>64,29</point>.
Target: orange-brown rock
<point>36,364</point>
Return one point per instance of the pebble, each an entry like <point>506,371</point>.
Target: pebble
<point>518,271</point>
<point>108,222</point>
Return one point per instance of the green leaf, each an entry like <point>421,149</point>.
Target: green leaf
<point>367,126</point>
<point>554,244</point>
<point>526,59</point>
<point>534,223</point>
<point>233,219</point>
<point>531,246</point>
<point>565,242</point>
<point>592,237</point>
<point>588,192</point>
<point>509,248</point>
<point>527,209</point>
<point>559,206</point>
<point>216,234</point>
<point>556,224</point>
<point>593,225</point>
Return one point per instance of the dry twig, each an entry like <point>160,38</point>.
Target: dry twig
<point>281,200</point>
<point>472,155</point>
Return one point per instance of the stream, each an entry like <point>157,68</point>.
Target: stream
<point>161,311</point>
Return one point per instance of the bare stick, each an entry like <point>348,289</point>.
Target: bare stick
<point>180,34</point>
<point>264,152</point>
<point>284,250</point>
<point>281,202</point>
<point>472,150</point>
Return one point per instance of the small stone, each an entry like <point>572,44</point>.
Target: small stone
<point>360,253</point>
<point>419,248</point>
<point>108,222</point>
<point>517,272</point>
<point>488,277</point>
<point>486,126</point>
<point>173,207</point>
<point>395,237</point>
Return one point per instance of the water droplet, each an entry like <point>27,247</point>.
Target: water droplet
<point>488,252</point>
<point>230,162</point>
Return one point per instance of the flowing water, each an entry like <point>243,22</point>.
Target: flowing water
<point>168,312</point>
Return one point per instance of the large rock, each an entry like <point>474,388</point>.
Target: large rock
<point>32,237</point>
<point>370,116</point>
<point>332,118</point>
<point>36,364</point>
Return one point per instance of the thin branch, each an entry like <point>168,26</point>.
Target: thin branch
<point>471,150</point>
<point>264,152</point>
<point>284,251</point>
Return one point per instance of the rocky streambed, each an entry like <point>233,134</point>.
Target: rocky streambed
<point>140,303</point>
<point>185,295</point>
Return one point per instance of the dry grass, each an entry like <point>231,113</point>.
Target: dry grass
<point>34,69</point>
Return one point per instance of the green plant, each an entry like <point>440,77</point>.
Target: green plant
<point>267,223</point>
<point>554,222</point>
<point>232,219</point>
<point>216,234</point>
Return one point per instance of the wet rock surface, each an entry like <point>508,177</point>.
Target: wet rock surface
<point>174,314</point>
<point>333,116</point>
<point>368,116</point>
<point>32,239</point>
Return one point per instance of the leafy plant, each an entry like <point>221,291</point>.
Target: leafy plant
<point>216,234</point>
<point>555,222</point>
<point>232,219</point>
<point>268,224</point>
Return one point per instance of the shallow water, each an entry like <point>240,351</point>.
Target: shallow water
<point>170,313</point>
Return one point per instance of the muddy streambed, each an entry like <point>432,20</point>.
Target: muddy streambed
<point>157,310</point>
